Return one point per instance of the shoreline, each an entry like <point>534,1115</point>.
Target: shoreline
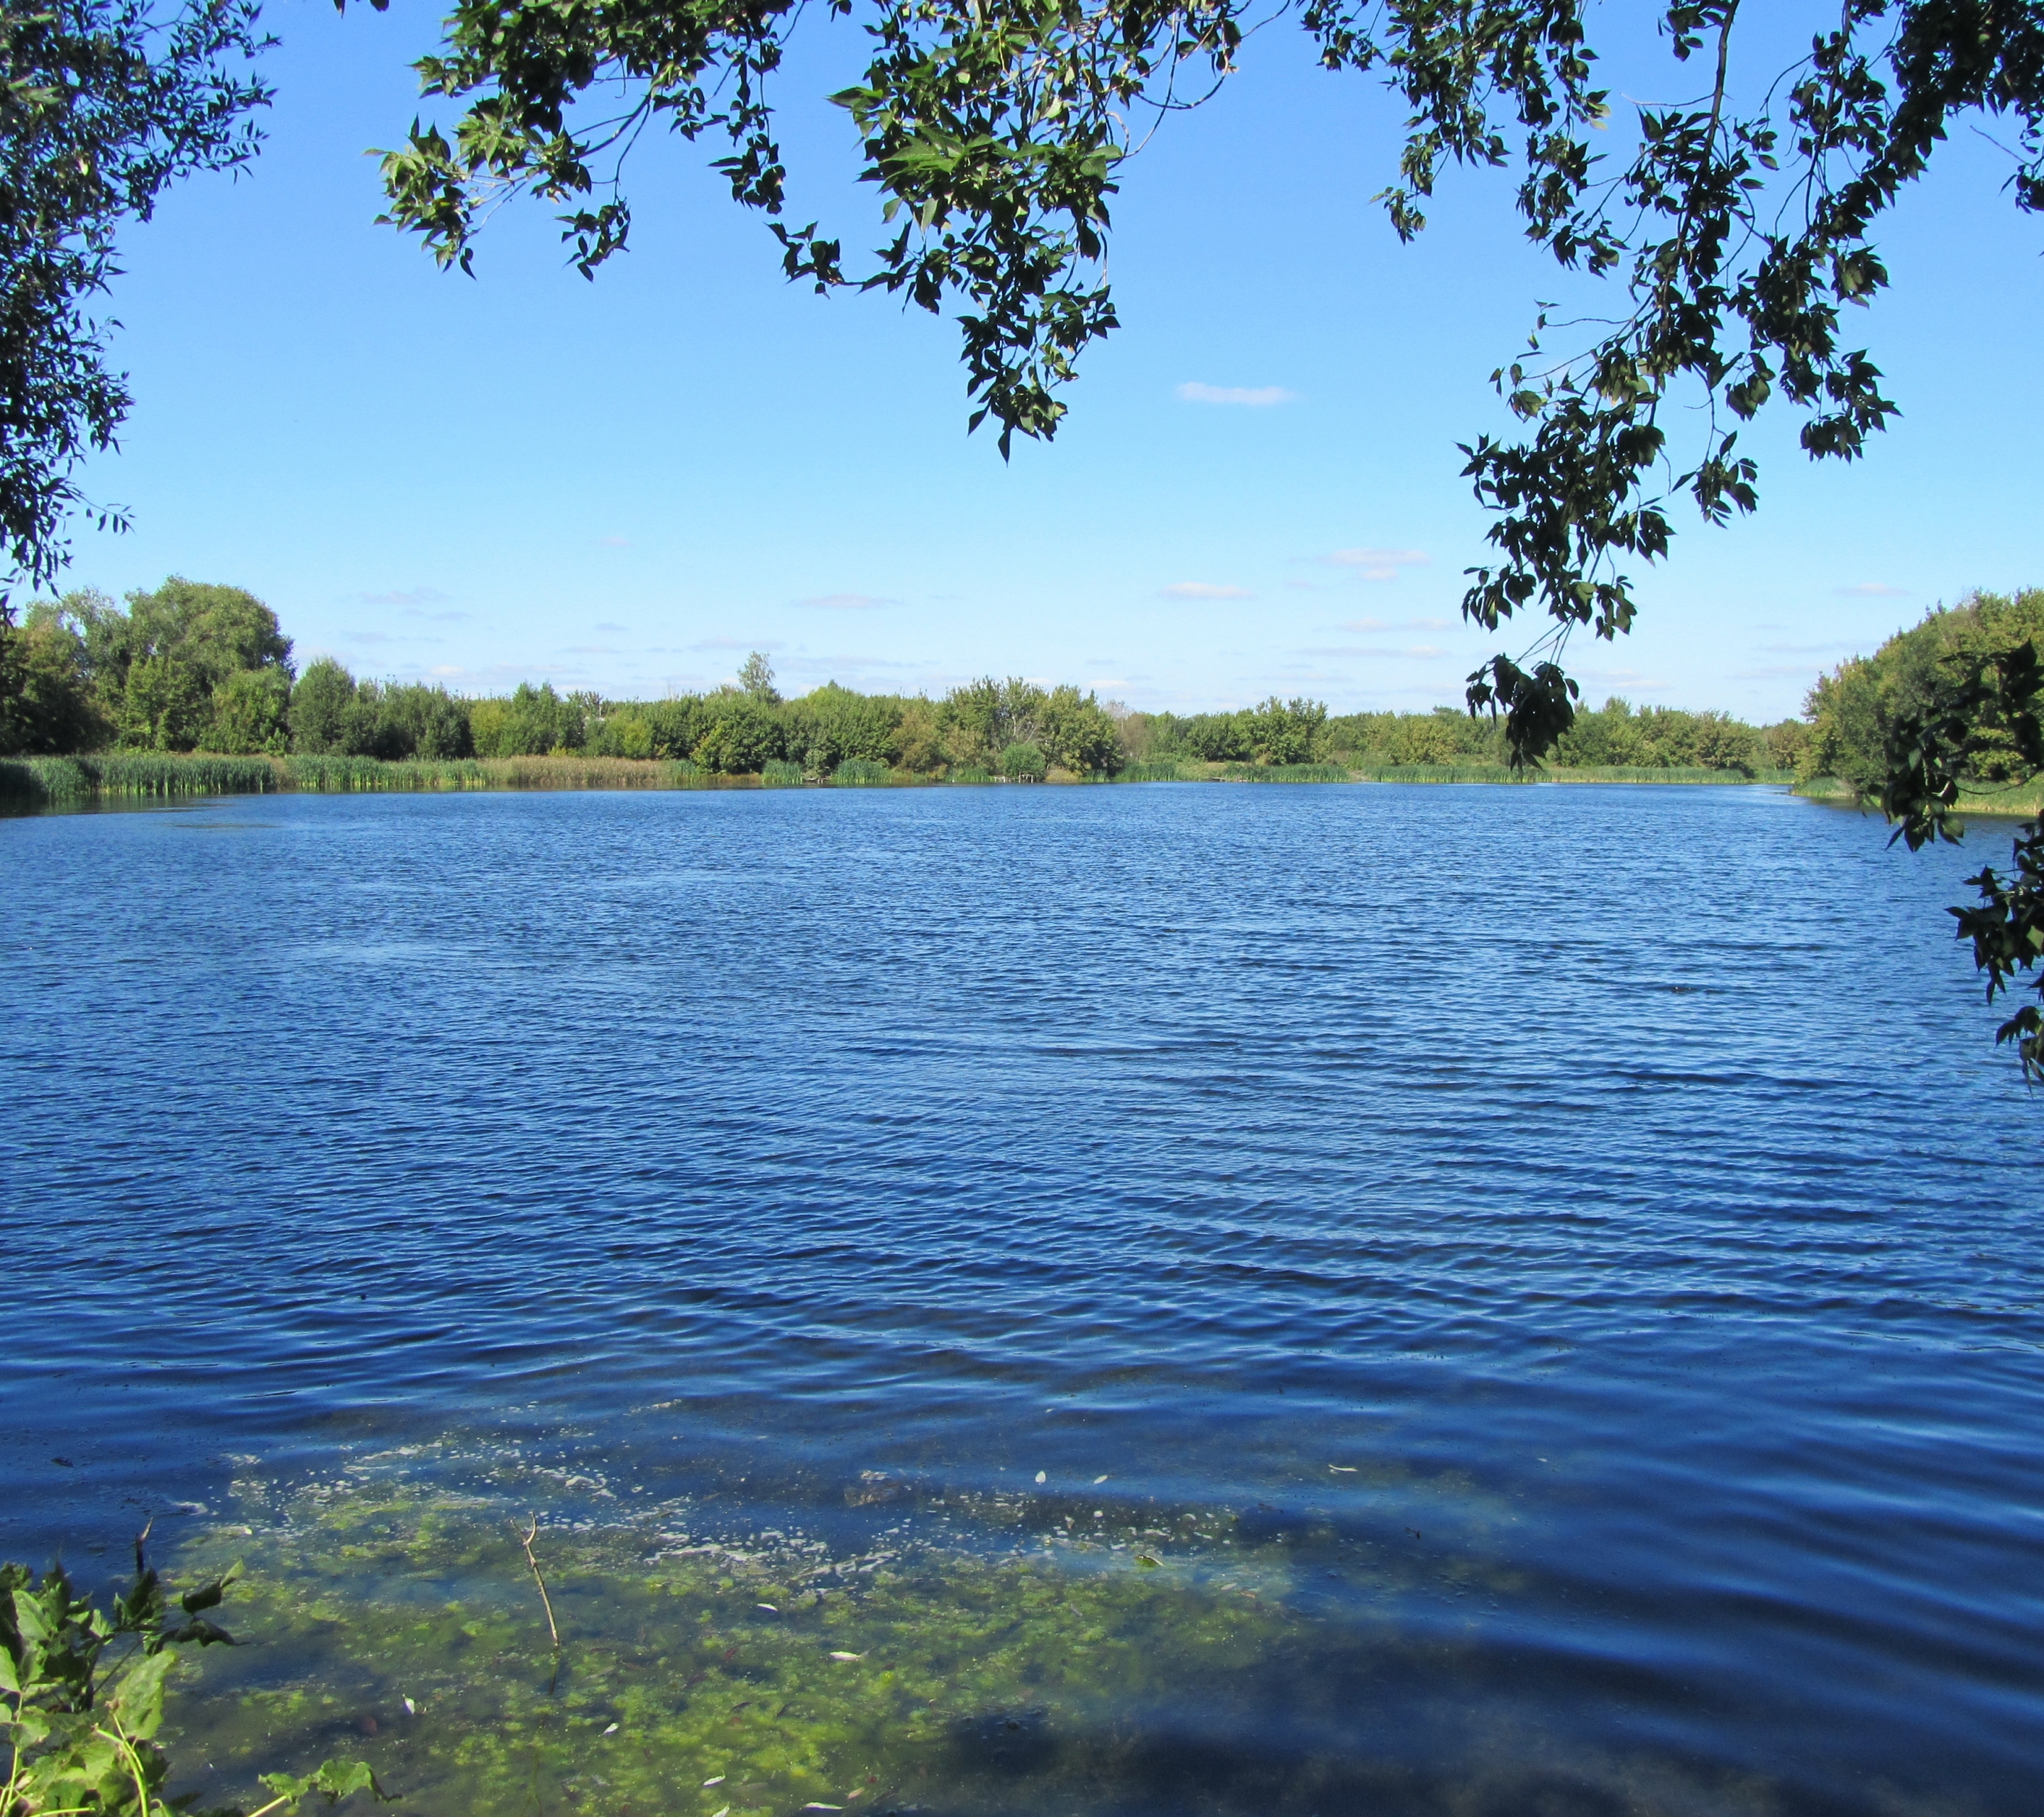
<point>59,782</point>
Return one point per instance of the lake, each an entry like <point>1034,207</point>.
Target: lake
<point>1175,1298</point>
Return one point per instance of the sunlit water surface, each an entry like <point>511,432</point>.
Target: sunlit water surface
<point>1229,1300</point>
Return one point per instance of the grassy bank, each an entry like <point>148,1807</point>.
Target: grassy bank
<point>2022,801</point>
<point>56,782</point>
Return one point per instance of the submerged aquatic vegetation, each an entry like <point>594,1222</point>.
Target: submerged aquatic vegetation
<point>1041,1648</point>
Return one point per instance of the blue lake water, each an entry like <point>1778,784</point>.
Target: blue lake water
<point>1603,1212</point>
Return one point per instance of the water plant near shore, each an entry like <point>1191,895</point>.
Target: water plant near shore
<point>80,1732</point>
<point>953,1650</point>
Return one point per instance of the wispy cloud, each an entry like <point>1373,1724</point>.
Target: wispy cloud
<point>850,601</point>
<point>1377,564</point>
<point>1417,652</point>
<point>1255,396</point>
<point>382,637</point>
<point>606,625</point>
<point>1367,625</point>
<point>1874,590</point>
<point>613,542</point>
<point>401,596</point>
<point>1828,649</point>
<point>738,643</point>
<point>438,617</point>
<point>1203,590</point>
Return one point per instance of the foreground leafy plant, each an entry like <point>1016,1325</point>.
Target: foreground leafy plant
<point>81,1732</point>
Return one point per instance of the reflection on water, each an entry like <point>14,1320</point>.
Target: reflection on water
<point>1279,1299</point>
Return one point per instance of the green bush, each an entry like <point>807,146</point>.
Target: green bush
<point>80,1736</point>
<point>1024,763</point>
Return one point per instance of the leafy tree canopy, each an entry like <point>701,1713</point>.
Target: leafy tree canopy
<point>106,103</point>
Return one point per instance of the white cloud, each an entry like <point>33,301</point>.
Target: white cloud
<point>849,602</point>
<point>1205,589</point>
<point>1377,564</point>
<point>1875,590</point>
<point>1255,397</point>
<point>1418,652</point>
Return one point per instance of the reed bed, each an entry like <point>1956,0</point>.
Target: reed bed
<point>1650,772</point>
<point>861,773</point>
<point>134,774</point>
<point>1171,772</point>
<point>1440,773</point>
<point>1284,773</point>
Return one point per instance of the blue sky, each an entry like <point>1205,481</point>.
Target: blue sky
<point>628,484</point>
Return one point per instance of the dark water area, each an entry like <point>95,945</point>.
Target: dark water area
<point>1588,1232</point>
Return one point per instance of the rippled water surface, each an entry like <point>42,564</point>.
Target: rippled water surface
<point>1585,1237</point>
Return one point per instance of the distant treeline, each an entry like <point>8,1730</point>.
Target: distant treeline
<point>1919,673</point>
<point>195,667</point>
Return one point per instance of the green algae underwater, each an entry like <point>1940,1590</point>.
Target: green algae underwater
<point>965,1654</point>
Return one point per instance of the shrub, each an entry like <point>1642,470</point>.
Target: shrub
<point>319,709</point>
<point>744,735</point>
<point>1024,763</point>
<point>777,774</point>
<point>81,1736</point>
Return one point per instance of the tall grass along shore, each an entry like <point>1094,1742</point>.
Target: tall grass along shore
<point>58,781</point>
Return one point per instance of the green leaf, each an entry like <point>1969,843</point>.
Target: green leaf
<point>334,1780</point>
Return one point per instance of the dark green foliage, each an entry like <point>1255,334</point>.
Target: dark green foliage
<point>82,1687</point>
<point>320,706</point>
<point>190,665</point>
<point>1024,763</point>
<point>2006,929</point>
<point>250,713</point>
<point>106,103</point>
<point>1214,738</point>
<point>1930,673</point>
<point>47,700</point>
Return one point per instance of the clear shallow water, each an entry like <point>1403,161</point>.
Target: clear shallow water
<point>1593,1225</point>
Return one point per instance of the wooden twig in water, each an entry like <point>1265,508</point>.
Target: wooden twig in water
<point>546,1601</point>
